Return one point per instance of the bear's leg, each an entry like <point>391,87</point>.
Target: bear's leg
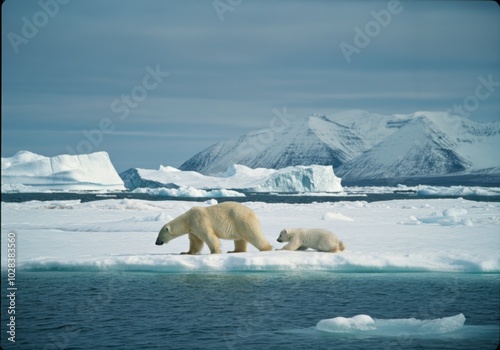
<point>328,247</point>
<point>195,245</point>
<point>341,246</point>
<point>258,240</point>
<point>292,245</point>
<point>213,243</point>
<point>334,249</point>
<point>240,246</point>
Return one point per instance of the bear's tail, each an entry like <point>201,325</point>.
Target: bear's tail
<point>341,246</point>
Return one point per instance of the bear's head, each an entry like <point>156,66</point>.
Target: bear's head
<point>164,236</point>
<point>284,236</point>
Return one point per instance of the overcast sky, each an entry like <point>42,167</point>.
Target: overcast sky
<point>166,79</point>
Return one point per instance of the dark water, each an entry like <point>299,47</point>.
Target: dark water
<point>249,197</point>
<point>131,310</point>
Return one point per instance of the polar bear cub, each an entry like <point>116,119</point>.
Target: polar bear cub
<point>315,238</point>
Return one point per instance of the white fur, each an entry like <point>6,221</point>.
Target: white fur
<point>229,220</point>
<point>315,238</point>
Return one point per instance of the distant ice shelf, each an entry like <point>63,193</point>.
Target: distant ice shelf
<point>312,178</point>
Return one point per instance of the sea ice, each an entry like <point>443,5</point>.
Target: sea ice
<point>120,234</point>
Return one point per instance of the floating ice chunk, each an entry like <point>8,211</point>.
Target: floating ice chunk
<point>188,191</point>
<point>342,324</point>
<point>457,191</point>
<point>392,327</point>
<point>442,325</point>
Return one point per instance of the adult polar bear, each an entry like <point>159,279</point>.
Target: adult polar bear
<point>315,238</point>
<point>229,220</point>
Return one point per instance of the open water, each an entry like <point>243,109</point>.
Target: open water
<point>249,197</point>
<point>254,310</point>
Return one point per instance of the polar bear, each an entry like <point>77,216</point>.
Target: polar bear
<point>229,220</point>
<point>315,238</point>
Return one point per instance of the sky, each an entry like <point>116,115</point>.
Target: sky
<point>154,82</point>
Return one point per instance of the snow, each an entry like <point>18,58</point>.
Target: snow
<point>392,327</point>
<point>454,235</point>
<point>336,216</point>
<point>313,178</point>
<point>30,172</point>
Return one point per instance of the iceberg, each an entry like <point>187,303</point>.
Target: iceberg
<point>311,178</point>
<point>30,172</point>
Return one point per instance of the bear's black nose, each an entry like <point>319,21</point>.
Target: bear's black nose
<point>159,241</point>
<point>279,240</point>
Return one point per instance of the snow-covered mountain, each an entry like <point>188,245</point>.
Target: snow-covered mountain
<point>30,172</point>
<point>364,147</point>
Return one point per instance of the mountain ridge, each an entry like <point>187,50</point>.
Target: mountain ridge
<point>363,146</point>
